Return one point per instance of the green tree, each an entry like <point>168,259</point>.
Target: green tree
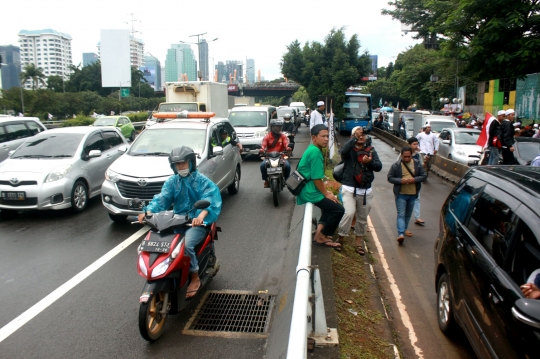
<point>302,96</point>
<point>328,68</point>
<point>491,39</point>
<point>55,83</point>
<point>31,72</point>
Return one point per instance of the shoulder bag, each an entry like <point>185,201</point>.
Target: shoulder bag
<point>296,182</point>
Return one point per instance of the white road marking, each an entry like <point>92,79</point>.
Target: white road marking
<point>40,306</point>
<point>395,290</point>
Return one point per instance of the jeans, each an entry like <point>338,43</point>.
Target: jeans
<point>404,207</point>
<point>417,207</point>
<point>355,206</point>
<point>493,156</point>
<point>331,215</point>
<point>193,236</point>
<point>287,170</point>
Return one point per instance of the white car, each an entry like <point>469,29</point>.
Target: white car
<point>459,144</point>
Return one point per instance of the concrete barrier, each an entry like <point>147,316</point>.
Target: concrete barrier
<point>443,167</point>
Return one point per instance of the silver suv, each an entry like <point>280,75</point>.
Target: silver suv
<point>142,170</point>
<point>15,130</point>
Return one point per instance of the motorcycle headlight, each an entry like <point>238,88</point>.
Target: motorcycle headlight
<point>58,173</point>
<point>142,266</point>
<point>274,163</point>
<point>111,176</point>
<point>261,133</point>
<point>161,267</point>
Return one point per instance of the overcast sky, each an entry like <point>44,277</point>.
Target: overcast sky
<point>258,29</point>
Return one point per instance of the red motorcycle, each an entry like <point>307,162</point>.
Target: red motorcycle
<point>164,265</point>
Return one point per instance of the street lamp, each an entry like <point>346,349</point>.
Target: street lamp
<point>198,43</point>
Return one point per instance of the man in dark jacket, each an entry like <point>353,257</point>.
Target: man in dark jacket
<point>360,161</point>
<point>507,138</point>
<point>407,176</point>
<point>494,128</point>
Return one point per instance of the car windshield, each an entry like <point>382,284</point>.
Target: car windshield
<point>177,107</point>
<point>49,145</point>
<point>356,107</point>
<point>466,138</point>
<point>528,150</point>
<point>301,108</point>
<point>104,121</point>
<point>248,118</point>
<point>282,112</point>
<point>160,142</point>
<point>437,126</point>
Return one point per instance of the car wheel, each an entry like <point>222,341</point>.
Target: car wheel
<point>79,197</point>
<point>132,137</point>
<point>118,218</point>
<point>233,188</point>
<point>445,310</point>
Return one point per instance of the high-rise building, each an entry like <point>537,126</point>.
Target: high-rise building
<point>250,70</point>
<point>152,72</point>
<point>203,60</point>
<point>226,71</point>
<point>180,60</point>
<point>11,68</point>
<point>136,51</point>
<point>88,58</point>
<point>221,69</point>
<point>47,49</point>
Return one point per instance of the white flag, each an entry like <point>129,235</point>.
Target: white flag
<point>50,116</point>
<point>331,135</point>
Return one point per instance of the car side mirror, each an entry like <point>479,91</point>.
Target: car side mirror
<point>122,149</point>
<point>94,153</point>
<point>201,204</point>
<point>527,311</point>
<point>217,151</point>
<point>446,142</point>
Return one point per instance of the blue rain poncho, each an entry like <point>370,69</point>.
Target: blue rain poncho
<point>183,192</point>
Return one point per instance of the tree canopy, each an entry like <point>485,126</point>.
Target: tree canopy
<point>492,38</point>
<point>34,73</point>
<point>327,68</point>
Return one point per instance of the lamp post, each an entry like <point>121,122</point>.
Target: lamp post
<point>198,43</point>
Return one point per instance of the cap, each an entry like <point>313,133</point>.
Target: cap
<point>510,111</point>
<point>354,129</point>
<point>320,103</point>
<point>535,125</point>
<point>516,124</point>
<point>501,112</point>
<point>318,128</point>
<point>516,130</point>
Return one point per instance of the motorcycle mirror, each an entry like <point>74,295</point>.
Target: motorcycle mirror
<point>202,204</point>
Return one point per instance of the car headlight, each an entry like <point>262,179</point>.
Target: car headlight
<point>58,173</point>
<point>142,266</point>
<point>111,176</point>
<point>261,133</point>
<point>161,267</point>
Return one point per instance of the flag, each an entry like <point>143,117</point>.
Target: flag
<point>50,116</point>
<point>331,134</point>
<point>484,135</point>
<point>397,106</point>
<point>380,102</point>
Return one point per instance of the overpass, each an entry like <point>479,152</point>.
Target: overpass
<point>263,89</point>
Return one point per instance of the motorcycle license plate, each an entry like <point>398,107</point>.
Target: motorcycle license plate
<point>274,170</point>
<point>13,196</point>
<point>132,204</point>
<point>155,246</point>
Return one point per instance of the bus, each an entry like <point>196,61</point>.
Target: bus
<point>357,108</point>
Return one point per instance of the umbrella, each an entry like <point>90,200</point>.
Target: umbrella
<point>387,109</point>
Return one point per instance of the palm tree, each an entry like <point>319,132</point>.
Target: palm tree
<point>31,72</point>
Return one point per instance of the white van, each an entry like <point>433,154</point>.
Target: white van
<point>251,124</point>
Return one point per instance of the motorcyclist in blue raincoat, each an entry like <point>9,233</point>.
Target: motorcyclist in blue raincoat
<point>183,189</point>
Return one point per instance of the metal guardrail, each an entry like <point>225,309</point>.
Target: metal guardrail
<point>308,306</point>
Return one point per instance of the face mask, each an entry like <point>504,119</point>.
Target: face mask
<point>183,173</point>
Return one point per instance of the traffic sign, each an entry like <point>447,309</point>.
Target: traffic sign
<point>125,92</point>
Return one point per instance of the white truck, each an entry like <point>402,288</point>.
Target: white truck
<point>196,96</point>
<point>244,101</point>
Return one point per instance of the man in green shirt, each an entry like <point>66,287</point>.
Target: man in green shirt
<point>311,166</point>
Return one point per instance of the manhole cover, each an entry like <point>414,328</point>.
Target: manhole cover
<point>232,314</point>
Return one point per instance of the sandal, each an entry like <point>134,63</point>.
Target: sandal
<point>408,233</point>
<point>266,184</point>
<point>400,239</point>
<point>419,221</point>
<point>359,249</point>
<point>329,244</point>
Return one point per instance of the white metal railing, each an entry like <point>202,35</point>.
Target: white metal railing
<point>307,320</point>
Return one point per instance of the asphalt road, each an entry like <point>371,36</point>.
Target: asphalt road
<point>40,251</point>
<point>412,264</point>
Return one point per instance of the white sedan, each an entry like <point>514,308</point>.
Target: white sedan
<point>459,144</point>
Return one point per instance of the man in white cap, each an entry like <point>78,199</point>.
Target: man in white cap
<point>494,128</point>
<point>507,138</point>
<point>318,116</point>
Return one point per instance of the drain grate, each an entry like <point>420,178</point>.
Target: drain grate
<point>232,313</point>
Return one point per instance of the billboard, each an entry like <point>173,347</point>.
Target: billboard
<point>232,87</point>
<point>115,58</point>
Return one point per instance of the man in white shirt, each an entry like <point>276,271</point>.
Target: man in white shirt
<point>428,142</point>
<point>318,116</point>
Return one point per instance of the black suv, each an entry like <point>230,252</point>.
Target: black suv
<point>489,245</point>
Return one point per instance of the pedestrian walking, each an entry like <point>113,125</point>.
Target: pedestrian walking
<point>407,176</point>
<point>413,143</point>
<point>311,166</point>
<point>507,138</point>
<point>360,161</point>
<point>318,117</point>
<point>429,145</point>
<point>494,141</point>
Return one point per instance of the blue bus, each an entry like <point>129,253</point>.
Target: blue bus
<point>357,108</point>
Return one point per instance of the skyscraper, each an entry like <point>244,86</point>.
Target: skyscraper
<point>88,58</point>
<point>230,67</point>
<point>221,69</point>
<point>180,60</point>
<point>48,49</point>
<point>152,72</point>
<point>250,70</point>
<point>9,74</point>
<point>203,60</point>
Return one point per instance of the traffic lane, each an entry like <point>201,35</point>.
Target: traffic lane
<point>412,263</point>
<point>40,250</point>
<point>99,316</point>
